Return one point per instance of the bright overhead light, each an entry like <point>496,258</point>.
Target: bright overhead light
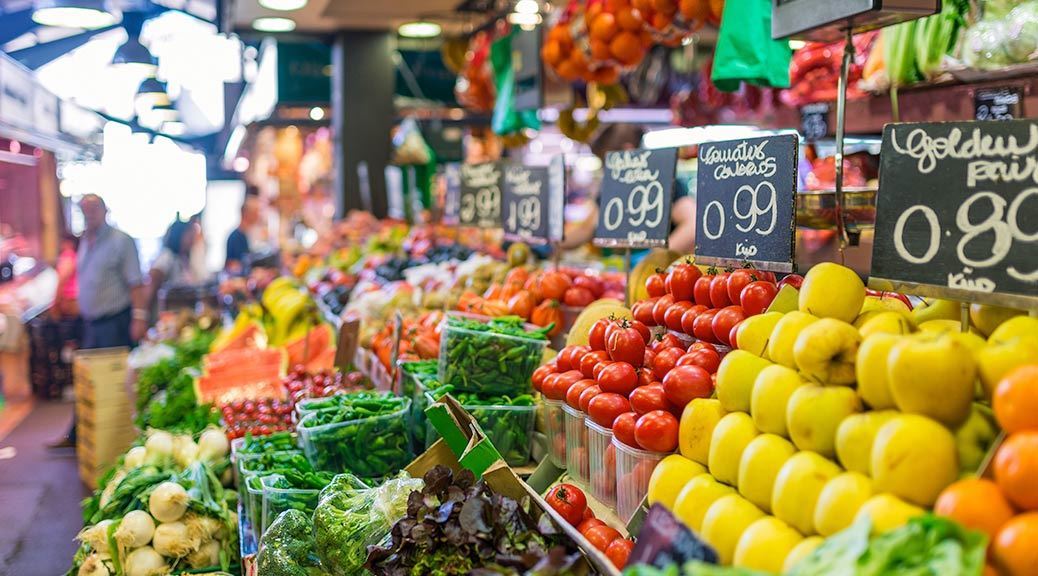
<point>524,20</point>
<point>796,44</point>
<point>86,14</point>
<point>174,128</point>
<point>317,113</point>
<point>133,54</point>
<point>527,7</point>
<point>282,5</point>
<point>152,92</point>
<point>419,30</point>
<point>273,24</point>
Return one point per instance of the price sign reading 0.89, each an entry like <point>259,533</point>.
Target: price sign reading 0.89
<point>634,203</point>
<point>480,199</point>
<point>744,202</point>
<point>957,211</point>
<point>523,210</point>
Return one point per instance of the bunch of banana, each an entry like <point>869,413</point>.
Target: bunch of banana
<point>290,311</point>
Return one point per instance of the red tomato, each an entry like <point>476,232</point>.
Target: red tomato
<point>642,329</point>
<point>682,280</point>
<point>605,407</point>
<point>701,291</point>
<point>645,376</point>
<point>540,374</point>
<point>765,275</point>
<point>659,309</point>
<point>589,524</point>
<point>738,280</point>
<point>690,316</point>
<point>757,296</point>
<point>706,358</point>
<point>684,384</point>
<point>625,344</point>
<point>601,536</point>
<point>701,327</point>
<point>618,377</point>
<point>557,388</point>
<point>549,384</point>
<point>592,283</point>
<point>701,346</point>
<point>596,337</point>
<point>734,335</point>
<point>588,362</point>
<point>577,296</point>
<point>573,394</point>
<point>618,552</point>
<point>794,280</point>
<point>599,367</point>
<point>645,399</point>
<point>650,357</point>
<point>576,354</point>
<point>665,361</point>
<point>655,285</point>
<point>562,359</point>
<point>623,428</point>
<point>657,431</point>
<point>642,312</point>
<point>724,320</point>
<point>668,340</point>
<point>568,501</point>
<point>719,290</point>
<point>586,396</point>
<point>672,317</point>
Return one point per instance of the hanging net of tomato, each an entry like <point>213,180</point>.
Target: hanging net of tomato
<point>671,21</point>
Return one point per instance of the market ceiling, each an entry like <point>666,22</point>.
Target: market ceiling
<point>332,15</point>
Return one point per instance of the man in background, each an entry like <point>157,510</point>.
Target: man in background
<point>238,248</point>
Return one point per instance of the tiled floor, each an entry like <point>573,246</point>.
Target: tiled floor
<point>40,493</point>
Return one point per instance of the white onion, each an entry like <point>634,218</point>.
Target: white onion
<point>173,540</point>
<point>159,446</point>
<point>205,528</point>
<point>135,530</point>
<point>93,566</point>
<point>96,536</point>
<point>185,451</point>
<point>213,445</point>
<point>207,555</point>
<point>168,502</point>
<point>135,457</point>
<point>113,483</point>
<point>145,561</point>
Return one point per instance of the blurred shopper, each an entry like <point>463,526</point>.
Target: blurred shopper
<point>238,245</point>
<point>66,301</point>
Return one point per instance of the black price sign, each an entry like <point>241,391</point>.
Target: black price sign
<point>634,202</point>
<point>997,104</point>
<point>533,198</point>
<point>480,199</point>
<point>957,211</point>
<point>814,121</point>
<point>745,202</point>
<point>452,193</point>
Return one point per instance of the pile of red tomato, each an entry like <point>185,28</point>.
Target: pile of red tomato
<point>571,503</point>
<point>256,417</point>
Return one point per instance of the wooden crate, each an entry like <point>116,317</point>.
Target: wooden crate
<point>104,413</point>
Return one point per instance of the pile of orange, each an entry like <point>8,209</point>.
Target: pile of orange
<point>670,21</point>
<point>1006,508</point>
<point>595,42</point>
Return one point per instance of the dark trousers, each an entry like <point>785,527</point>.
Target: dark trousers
<point>105,332</point>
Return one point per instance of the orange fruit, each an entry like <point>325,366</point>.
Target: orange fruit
<point>661,21</point>
<point>603,27</point>
<point>551,53</point>
<point>716,9</point>
<point>628,20</point>
<point>989,570</point>
<point>695,10</point>
<point>665,6</point>
<point>606,75</point>
<point>567,70</point>
<point>1015,548</point>
<point>642,6</point>
<point>560,34</point>
<point>1016,400</point>
<point>615,5</point>
<point>600,50</point>
<point>646,38</point>
<point>976,504</point>
<point>1016,469</point>
<point>627,48</point>
<point>592,12</point>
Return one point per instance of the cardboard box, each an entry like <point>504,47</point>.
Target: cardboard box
<point>104,412</point>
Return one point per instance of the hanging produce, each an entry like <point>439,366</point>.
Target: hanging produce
<point>671,21</point>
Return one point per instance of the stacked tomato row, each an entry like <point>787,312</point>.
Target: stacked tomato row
<point>571,503</point>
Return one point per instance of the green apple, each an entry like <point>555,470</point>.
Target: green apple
<point>840,500</point>
<point>933,375</point>
<point>696,498</point>
<point>825,352</point>
<point>854,438</point>
<point>814,413</point>
<point>771,392</point>
<point>754,332</point>
<point>1001,356</point>
<point>761,461</point>
<point>785,301</point>
<point>765,545</point>
<point>936,309</point>
<point>784,337</point>
<point>730,437</point>
<point>735,377</point>
<point>698,420</point>
<point>886,323</point>
<point>888,512</point>
<point>871,370</point>
<point>988,318</point>
<point>832,291</point>
<point>797,487</point>
<point>914,458</point>
<point>974,438</point>
<point>725,522</point>
<point>799,552</point>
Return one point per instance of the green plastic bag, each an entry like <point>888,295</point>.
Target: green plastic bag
<point>506,119</point>
<point>745,51</point>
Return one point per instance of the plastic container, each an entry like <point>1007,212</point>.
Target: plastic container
<point>510,360</point>
<point>509,428</point>
<point>277,500</point>
<point>369,447</point>
<point>555,419</point>
<point>253,502</point>
<point>576,445</point>
<point>601,463</point>
<point>245,465</point>
<point>633,469</point>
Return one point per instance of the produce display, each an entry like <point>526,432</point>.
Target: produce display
<point>493,356</point>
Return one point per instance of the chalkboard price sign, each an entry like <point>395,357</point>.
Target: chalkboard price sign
<point>814,121</point>
<point>634,203</point>
<point>745,202</point>
<point>480,199</point>
<point>957,211</point>
<point>533,200</point>
<point>997,104</point>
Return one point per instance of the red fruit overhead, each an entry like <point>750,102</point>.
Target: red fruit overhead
<point>738,280</point>
<point>682,280</point>
<point>665,361</point>
<point>702,329</point>
<point>701,291</point>
<point>684,384</point>
<point>719,290</point>
<point>660,309</point>
<point>757,296</point>
<point>655,285</point>
<point>642,329</point>
<point>605,407</point>
<point>665,341</point>
<point>672,317</point>
<point>540,374</point>
<point>618,377</point>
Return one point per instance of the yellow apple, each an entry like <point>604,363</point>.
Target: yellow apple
<point>854,438</point>
<point>697,427</point>
<point>797,487</point>
<point>785,301</point>
<point>944,326</point>
<point>988,318</point>
<point>761,461</point>
<point>771,392</point>
<point>871,370</point>
<point>800,551</point>
<point>1016,327</point>
<point>933,375</point>
<point>725,522</point>
<point>914,458</point>
<point>888,512</point>
<point>813,414</point>
<point>735,377</point>
<point>765,545</point>
<point>825,352</point>
<point>832,291</point>
<point>669,477</point>
<point>696,498</point>
<point>731,435</point>
<point>1000,357</point>
<point>784,337</point>
<point>840,500</point>
<point>884,303</point>
<point>974,438</point>
<point>754,332</point>
<point>936,309</point>
<point>886,323</point>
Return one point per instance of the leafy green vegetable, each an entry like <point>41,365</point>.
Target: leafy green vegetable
<point>287,547</point>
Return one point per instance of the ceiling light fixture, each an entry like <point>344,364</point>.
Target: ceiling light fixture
<point>796,44</point>
<point>174,128</point>
<point>152,92</point>
<point>282,5</point>
<point>419,29</point>
<point>527,7</point>
<point>86,14</point>
<point>162,113</point>
<point>524,20</point>
<point>317,113</point>
<point>273,24</point>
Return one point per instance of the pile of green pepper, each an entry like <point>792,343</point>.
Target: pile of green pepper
<point>493,357</point>
<point>507,421</point>
<point>367,434</point>
<point>276,442</point>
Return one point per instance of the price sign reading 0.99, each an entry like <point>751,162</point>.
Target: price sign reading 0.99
<point>634,202</point>
<point>480,199</point>
<point>957,211</point>
<point>531,194</point>
<point>745,202</point>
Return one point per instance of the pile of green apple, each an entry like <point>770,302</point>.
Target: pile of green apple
<point>842,404</point>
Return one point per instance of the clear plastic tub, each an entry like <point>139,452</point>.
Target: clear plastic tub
<point>486,362</point>
<point>601,463</point>
<point>245,465</point>
<point>369,447</point>
<point>253,502</point>
<point>556,432</point>
<point>576,445</point>
<point>633,469</point>
<point>277,500</point>
<point>509,428</point>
